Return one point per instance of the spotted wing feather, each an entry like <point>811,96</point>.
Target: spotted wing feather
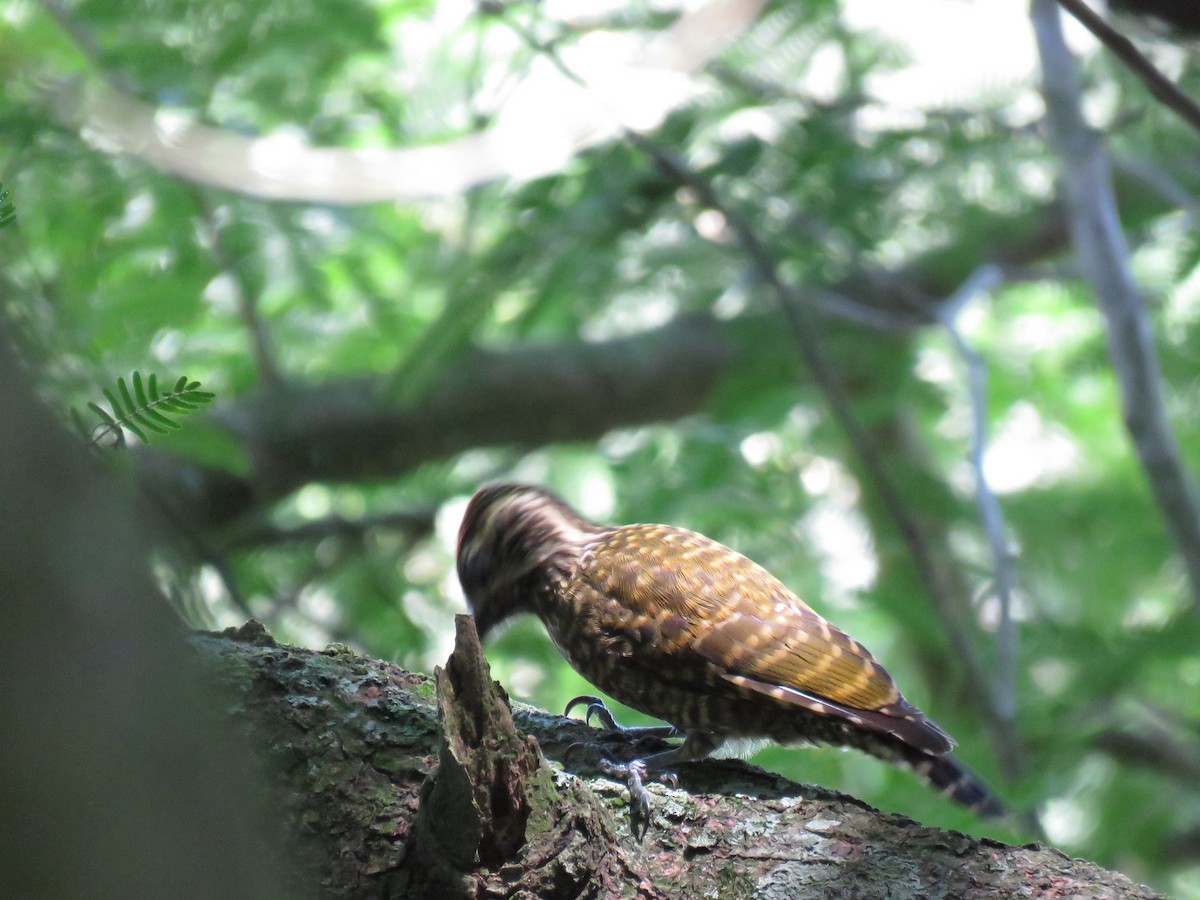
<point>700,601</point>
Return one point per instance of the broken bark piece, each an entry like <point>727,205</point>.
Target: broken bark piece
<point>474,809</point>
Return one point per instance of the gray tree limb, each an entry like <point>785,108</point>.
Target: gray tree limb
<point>535,133</point>
<point>1158,83</point>
<point>1104,257</point>
<point>396,783</point>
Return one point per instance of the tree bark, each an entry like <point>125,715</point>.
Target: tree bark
<point>397,784</point>
<point>118,776</point>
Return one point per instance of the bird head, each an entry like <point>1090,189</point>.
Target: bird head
<point>512,539</point>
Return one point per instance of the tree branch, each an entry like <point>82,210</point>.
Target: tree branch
<point>1158,83</point>
<point>350,430</point>
<point>412,524</point>
<point>1104,257</point>
<point>1004,682</point>
<point>246,287</point>
<point>354,745</point>
<point>537,132</point>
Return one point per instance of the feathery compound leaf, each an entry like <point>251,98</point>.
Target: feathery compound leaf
<point>8,212</point>
<point>143,410</point>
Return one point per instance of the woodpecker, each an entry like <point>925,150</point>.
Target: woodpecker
<point>684,629</point>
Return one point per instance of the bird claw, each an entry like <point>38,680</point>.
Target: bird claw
<point>633,773</point>
<point>595,707</point>
<point>574,748</point>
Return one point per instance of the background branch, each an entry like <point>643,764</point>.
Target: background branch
<point>564,122</point>
<point>1104,257</point>
<point>1004,683</point>
<point>412,524</point>
<point>233,261</point>
<point>1160,86</point>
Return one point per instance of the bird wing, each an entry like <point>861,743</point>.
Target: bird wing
<point>695,597</point>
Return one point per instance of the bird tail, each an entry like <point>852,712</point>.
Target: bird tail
<point>955,781</point>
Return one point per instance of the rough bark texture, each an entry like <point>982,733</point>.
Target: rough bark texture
<point>475,808</point>
<point>389,786</point>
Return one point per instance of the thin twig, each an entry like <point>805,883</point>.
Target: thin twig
<point>848,309</point>
<point>87,44</point>
<point>412,524</point>
<point>1004,686</point>
<point>1104,259</point>
<point>1156,177</point>
<point>1158,83</point>
<point>245,293</point>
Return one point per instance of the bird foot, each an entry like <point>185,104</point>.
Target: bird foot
<point>595,708</point>
<point>634,774</point>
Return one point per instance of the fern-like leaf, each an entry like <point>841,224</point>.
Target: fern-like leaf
<point>8,212</point>
<point>141,408</point>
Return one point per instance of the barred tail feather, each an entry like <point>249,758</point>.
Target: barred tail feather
<point>955,781</point>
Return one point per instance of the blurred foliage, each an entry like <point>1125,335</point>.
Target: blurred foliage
<point>115,266</point>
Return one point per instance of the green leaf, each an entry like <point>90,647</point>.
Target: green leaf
<point>118,410</point>
<point>130,405</point>
<point>139,390</point>
<point>177,404</point>
<point>8,212</point>
<point>143,410</point>
<point>143,418</point>
<point>102,413</point>
<point>129,426</point>
<point>162,421</point>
